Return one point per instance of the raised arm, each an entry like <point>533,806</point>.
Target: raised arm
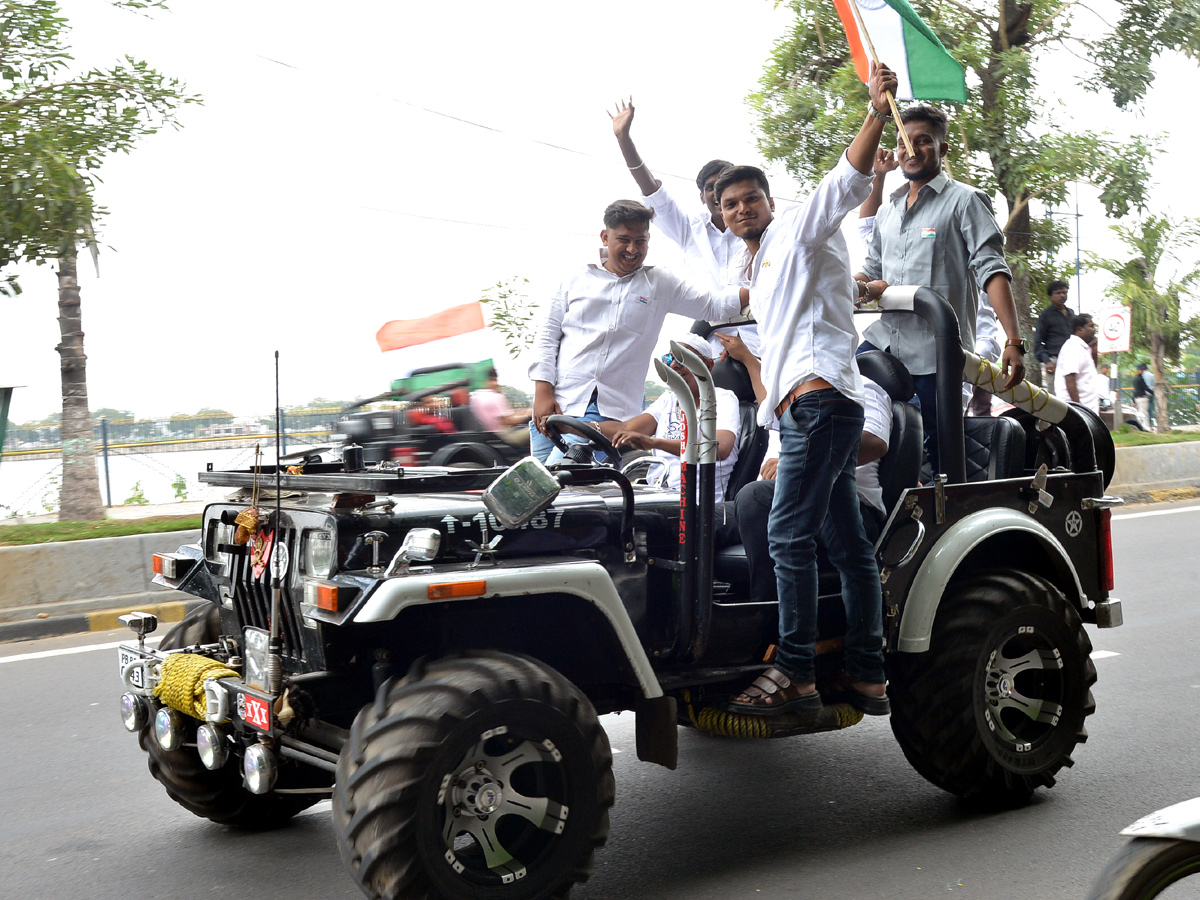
<point>861,152</point>
<point>885,161</point>
<point>622,119</point>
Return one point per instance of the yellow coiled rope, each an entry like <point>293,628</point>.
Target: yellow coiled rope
<point>181,684</point>
<point>730,724</point>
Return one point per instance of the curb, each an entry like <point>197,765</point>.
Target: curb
<point>1164,495</point>
<point>98,620</point>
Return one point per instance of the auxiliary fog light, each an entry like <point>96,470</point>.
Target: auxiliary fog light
<point>258,768</point>
<point>168,729</point>
<point>134,713</point>
<point>212,746</point>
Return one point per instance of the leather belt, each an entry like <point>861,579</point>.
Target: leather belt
<point>813,384</point>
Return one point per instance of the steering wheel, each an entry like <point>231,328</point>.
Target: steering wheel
<point>596,440</point>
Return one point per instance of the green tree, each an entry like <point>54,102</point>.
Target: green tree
<point>58,127</point>
<point>111,413</point>
<point>510,313</point>
<point>1006,139</point>
<point>1153,283</point>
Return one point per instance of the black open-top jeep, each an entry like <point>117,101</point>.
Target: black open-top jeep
<point>436,658</point>
<point>430,422</point>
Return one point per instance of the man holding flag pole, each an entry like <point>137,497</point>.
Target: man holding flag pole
<point>803,296</point>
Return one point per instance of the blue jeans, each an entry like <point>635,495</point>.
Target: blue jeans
<point>815,496</point>
<point>924,399</point>
<point>543,449</point>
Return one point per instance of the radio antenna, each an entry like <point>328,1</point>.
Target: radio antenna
<point>275,644</point>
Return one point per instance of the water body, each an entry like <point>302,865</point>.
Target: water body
<point>29,487</point>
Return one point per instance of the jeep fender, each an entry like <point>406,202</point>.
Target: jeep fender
<point>1181,822</point>
<point>943,561</point>
<point>585,579</point>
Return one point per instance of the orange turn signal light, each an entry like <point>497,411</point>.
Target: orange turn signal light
<point>457,589</point>
<point>322,595</point>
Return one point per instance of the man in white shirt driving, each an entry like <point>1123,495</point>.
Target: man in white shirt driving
<point>594,345</point>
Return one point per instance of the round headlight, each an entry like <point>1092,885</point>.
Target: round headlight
<point>212,746</point>
<point>258,768</point>
<point>168,729</point>
<point>133,712</point>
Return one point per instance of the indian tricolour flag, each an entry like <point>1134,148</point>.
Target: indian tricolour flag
<point>902,41</point>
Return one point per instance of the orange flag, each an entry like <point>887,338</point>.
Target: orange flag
<point>447,323</point>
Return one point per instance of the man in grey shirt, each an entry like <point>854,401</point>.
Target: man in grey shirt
<point>942,234</point>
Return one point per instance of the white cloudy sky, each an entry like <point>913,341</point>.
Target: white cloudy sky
<point>332,179</point>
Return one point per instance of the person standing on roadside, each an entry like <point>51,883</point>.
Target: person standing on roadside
<point>1075,375</point>
<point>1053,329</point>
<point>803,295</point>
<point>1142,393</point>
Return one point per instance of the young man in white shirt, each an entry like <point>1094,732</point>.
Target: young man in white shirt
<point>1075,376</point>
<point>660,428</point>
<point>803,294</point>
<point>712,250</point>
<point>594,346</point>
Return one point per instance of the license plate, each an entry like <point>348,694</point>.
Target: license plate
<point>254,711</point>
<point>124,658</point>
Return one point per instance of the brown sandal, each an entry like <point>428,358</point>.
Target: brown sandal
<point>772,694</point>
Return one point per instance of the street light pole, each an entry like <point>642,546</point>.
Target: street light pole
<point>1078,257</point>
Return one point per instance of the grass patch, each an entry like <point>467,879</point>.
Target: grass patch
<point>49,532</point>
<point>1131,437</point>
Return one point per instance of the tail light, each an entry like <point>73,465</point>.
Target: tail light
<point>1106,555</point>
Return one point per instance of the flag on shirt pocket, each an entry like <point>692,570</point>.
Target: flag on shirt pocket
<point>401,333</point>
<point>925,69</point>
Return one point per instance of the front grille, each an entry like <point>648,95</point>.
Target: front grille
<point>252,596</point>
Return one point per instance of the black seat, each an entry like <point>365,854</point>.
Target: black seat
<point>995,448</point>
<point>752,438</point>
<point>900,467</point>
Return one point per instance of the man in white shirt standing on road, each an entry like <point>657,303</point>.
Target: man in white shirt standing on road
<point>803,294</point>
<point>713,252</point>
<point>593,348</point>
<point>1075,376</point>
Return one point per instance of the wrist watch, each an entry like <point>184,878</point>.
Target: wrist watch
<point>1018,343</point>
<point>882,117</point>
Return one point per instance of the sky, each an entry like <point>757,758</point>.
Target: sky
<point>370,161</point>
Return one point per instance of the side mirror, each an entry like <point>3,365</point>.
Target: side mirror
<point>420,544</point>
<point>524,490</point>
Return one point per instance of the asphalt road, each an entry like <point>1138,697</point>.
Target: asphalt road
<point>835,816</point>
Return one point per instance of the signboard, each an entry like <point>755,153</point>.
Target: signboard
<point>1112,330</point>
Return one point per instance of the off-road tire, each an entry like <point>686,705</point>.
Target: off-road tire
<point>1145,868</point>
<point>952,711</point>
<point>218,795</point>
<point>398,783</point>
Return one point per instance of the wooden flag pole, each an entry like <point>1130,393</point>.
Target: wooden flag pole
<point>875,58</point>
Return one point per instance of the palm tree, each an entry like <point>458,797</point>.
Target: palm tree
<point>1153,286</point>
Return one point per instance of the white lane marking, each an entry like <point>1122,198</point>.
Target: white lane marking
<point>1157,512</point>
<point>1104,654</point>
<point>67,651</point>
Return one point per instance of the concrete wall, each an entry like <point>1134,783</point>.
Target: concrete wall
<point>80,570</point>
<point>1144,471</point>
